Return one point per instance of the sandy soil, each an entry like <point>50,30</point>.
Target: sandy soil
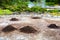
<point>43,32</point>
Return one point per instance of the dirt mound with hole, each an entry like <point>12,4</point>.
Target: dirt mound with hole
<point>28,29</point>
<point>13,19</point>
<point>35,17</point>
<point>53,26</point>
<point>8,28</point>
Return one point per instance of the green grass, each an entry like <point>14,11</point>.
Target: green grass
<point>55,14</point>
<point>5,12</point>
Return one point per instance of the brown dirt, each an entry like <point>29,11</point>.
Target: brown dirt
<point>28,29</point>
<point>8,28</point>
<point>53,26</point>
<point>35,17</point>
<point>13,19</point>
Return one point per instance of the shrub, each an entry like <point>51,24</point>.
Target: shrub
<point>53,11</point>
<point>38,9</point>
<point>20,6</point>
<point>50,3</point>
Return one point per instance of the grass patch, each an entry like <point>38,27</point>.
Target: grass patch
<point>5,12</point>
<point>55,14</point>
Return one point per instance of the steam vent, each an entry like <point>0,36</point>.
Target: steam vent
<point>29,28</point>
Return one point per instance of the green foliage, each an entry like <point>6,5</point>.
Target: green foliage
<point>21,6</point>
<point>53,1</point>
<point>55,14</point>
<point>1,11</point>
<point>38,9</point>
<point>5,12</point>
<point>50,3</point>
<point>53,11</point>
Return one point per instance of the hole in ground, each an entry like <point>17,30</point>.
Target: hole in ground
<point>28,29</point>
<point>35,17</point>
<point>8,28</point>
<point>54,26</point>
<point>13,19</point>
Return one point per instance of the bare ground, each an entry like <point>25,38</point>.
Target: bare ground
<point>43,32</point>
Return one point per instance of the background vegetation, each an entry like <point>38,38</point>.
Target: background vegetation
<point>9,6</point>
